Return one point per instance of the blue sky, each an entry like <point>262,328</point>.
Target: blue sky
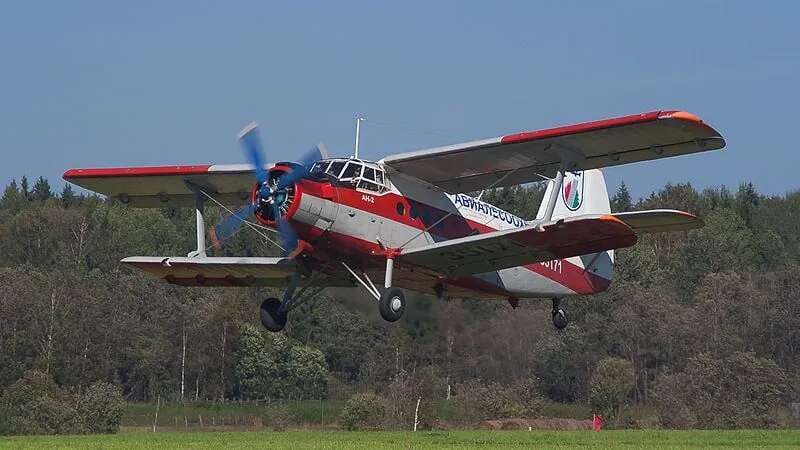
<point>87,84</point>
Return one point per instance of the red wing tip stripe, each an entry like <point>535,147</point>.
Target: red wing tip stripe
<point>604,123</point>
<point>581,127</point>
<point>116,172</point>
<point>610,218</point>
<point>681,115</point>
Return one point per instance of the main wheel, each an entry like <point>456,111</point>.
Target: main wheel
<point>272,317</point>
<point>392,304</point>
<point>560,320</point>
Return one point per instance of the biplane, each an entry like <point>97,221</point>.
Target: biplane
<point>409,219</point>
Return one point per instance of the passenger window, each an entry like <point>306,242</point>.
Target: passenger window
<point>352,170</point>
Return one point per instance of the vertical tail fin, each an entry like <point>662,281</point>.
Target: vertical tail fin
<point>581,193</point>
<point>584,193</point>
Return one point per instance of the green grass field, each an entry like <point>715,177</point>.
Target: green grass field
<point>421,440</point>
<point>185,417</point>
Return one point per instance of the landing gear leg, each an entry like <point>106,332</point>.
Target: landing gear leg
<point>392,302</point>
<point>274,312</point>
<point>560,320</point>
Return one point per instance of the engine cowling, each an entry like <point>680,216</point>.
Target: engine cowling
<point>288,199</point>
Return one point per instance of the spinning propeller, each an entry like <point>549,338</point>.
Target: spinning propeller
<point>273,194</point>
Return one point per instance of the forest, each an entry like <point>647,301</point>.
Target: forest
<point>700,329</point>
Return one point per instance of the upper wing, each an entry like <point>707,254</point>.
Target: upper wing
<point>226,271</point>
<point>571,236</point>
<point>659,220</point>
<point>156,187</point>
<point>524,157</point>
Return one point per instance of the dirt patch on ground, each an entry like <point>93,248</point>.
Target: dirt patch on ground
<point>536,424</point>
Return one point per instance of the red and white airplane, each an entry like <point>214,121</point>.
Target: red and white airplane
<point>405,218</point>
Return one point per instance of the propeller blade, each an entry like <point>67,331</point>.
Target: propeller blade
<point>228,225</point>
<point>306,162</point>
<point>288,236</point>
<point>250,139</point>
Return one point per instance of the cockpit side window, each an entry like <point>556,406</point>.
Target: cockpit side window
<point>369,173</point>
<point>379,177</point>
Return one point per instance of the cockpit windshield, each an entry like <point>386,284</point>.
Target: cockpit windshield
<point>364,175</point>
<point>352,170</point>
<point>335,169</point>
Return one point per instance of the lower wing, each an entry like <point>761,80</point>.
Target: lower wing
<point>228,271</point>
<point>563,238</point>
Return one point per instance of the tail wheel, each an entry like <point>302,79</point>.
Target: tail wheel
<point>560,320</point>
<point>392,304</point>
<point>272,317</point>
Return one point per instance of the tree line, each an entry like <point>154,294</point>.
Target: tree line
<point>700,328</point>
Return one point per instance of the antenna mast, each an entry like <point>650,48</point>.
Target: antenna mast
<point>359,119</point>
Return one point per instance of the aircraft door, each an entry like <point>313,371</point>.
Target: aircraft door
<point>329,210</point>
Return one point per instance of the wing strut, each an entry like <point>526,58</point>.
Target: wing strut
<point>568,158</point>
<point>551,201</point>
<point>199,206</point>
<point>373,291</point>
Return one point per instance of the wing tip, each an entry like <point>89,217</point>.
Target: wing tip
<point>70,173</point>
<point>680,115</point>
<point>686,116</point>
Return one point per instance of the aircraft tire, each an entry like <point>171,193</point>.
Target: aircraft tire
<point>560,320</point>
<point>272,317</point>
<point>392,304</point>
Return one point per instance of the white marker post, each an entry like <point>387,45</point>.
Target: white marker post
<point>416,414</point>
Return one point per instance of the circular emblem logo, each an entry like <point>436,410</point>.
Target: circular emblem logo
<point>572,190</point>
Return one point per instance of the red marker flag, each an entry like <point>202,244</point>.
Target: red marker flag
<point>597,422</point>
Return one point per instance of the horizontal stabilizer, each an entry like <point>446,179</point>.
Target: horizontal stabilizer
<point>659,220</point>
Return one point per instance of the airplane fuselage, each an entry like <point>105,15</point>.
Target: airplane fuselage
<point>358,225</point>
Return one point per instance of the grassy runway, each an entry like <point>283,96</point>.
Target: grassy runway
<point>421,440</point>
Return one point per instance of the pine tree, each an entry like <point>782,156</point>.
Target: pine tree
<point>12,197</point>
<point>41,190</point>
<point>67,196</point>
<point>746,201</point>
<point>25,188</point>
<point>621,201</point>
